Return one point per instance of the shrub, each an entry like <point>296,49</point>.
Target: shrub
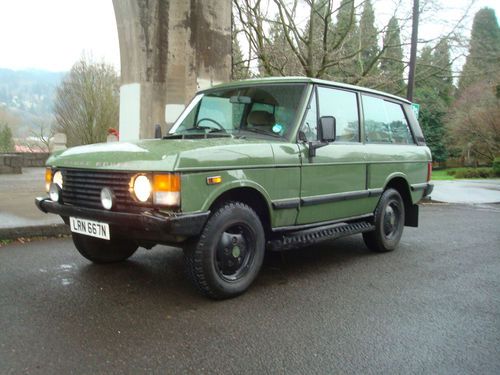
<point>451,172</point>
<point>474,173</point>
<point>496,167</point>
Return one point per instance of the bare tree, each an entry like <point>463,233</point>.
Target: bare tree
<point>329,39</point>
<point>474,122</point>
<point>319,36</point>
<point>39,138</point>
<point>87,102</point>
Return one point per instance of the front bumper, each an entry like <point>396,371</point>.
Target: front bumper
<point>147,226</point>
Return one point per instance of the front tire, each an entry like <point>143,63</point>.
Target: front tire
<point>104,251</point>
<point>389,223</point>
<point>226,259</point>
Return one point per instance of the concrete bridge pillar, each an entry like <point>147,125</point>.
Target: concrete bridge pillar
<point>168,50</point>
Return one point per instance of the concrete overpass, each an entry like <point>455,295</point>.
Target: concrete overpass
<point>168,50</point>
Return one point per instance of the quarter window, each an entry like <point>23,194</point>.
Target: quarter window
<point>385,122</point>
<point>309,127</point>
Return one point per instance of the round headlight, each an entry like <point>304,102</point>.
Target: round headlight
<point>58,179</point>
<point>54,192</point>
<point>107,198</point>
<point>142,188</point>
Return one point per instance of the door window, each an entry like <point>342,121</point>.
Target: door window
<point>343,105</point>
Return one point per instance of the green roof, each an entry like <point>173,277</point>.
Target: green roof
<point>272,80</point>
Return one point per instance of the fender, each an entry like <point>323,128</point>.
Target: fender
<point>231,185</point>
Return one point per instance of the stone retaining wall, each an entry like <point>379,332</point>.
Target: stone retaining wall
<point>14,162</point>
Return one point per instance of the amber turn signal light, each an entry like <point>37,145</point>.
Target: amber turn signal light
<point>48,178</point>
<point>213,180</point>
<point>166,182</point>
<point>167,189</point>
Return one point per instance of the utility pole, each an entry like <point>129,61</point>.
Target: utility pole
<point>413,51</point>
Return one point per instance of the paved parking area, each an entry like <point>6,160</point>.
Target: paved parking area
<point>17,199</point>
<point>432,307</point>
<point>467,191</point>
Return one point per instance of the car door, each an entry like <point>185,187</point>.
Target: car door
<point>333,183</point>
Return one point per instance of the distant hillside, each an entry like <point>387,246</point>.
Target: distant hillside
<point>30,91</point>
<point>29,95</point>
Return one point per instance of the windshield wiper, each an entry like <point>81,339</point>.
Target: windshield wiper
<point>260,131</point>
<point>210,134</point>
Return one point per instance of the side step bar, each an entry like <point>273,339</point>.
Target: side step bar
<point>292,240</point>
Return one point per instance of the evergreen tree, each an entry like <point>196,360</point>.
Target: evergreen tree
<point>346,22</point>
<point>391,65</point>
<point>441,61</point>
<point>425,71</point>
<point>483,59</point>
<point>346,42</point>
<point>368,45</point>
<point>433,89</point>
<point>6,140</point>
<point>239,68</point>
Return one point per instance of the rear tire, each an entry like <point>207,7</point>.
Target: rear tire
<point>104,251</point>
<point>228,256</point>
<point>389,223</point>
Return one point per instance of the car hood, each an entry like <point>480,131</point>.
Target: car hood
<point>167,155</point>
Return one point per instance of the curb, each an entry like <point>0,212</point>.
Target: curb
<point>52,230</point>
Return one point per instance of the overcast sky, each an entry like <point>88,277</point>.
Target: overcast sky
<point>53,34</point>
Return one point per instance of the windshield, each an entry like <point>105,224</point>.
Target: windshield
<point>267,110</point>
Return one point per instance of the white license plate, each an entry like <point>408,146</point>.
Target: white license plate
<point>89,228</point>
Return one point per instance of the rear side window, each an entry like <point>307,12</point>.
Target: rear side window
<point>385,122</point>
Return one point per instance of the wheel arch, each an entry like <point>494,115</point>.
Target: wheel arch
<point>400,183</point>
<point>251,197</point>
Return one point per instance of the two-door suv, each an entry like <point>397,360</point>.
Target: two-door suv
<point>248,166</point>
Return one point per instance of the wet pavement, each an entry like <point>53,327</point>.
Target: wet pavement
<point>431,307</point>
<point>17,199</point>
<point>467,191</point>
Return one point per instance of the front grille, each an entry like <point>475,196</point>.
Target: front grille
<point>83,188</point>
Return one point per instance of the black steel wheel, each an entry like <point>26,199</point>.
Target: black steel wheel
<point>104,251</point>
<point>389,223</point>
<point>227,257</point>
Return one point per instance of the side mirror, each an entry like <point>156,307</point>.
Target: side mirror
<point>326,134</point>
<point>158,131</point>
<point>327,128</point>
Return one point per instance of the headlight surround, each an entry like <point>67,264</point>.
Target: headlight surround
<point>107,198</point>
<point>55,192</point>
<point>161,189</point>
<point>142,188</point>
<point>57,178</point>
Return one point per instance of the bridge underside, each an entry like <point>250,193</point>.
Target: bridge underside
<point>169,49</point>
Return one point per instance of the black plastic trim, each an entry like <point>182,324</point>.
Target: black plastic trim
<point>150,225</point>
<point>322,223</point>
<point>286,203</point>
<point>337,197</point>
<point>312,236</point>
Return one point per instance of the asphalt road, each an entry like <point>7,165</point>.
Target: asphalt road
<point>431,307</point>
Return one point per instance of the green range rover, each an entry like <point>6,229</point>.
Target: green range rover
<point>267,164</point>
